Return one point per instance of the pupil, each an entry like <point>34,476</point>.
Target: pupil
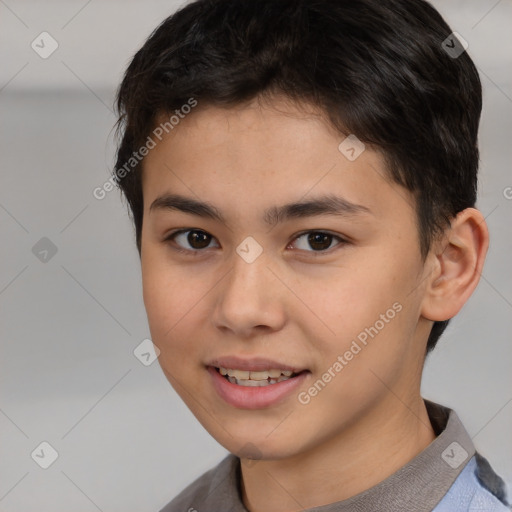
<point>194,238</point>
<point>320,238</point>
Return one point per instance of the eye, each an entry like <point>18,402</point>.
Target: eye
<point>320,241</point>
<point>196,238</point>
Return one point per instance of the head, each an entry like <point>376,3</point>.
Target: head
<point>245,106</point>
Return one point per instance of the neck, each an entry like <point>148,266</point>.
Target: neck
<point>360,457</point>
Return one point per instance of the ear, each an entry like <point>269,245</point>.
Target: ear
<point>457,263</point>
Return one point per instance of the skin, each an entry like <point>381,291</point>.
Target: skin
<point>297,302</point>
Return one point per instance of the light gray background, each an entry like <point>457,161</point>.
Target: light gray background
<point>69,326</point>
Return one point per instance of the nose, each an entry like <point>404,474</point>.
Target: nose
<point>249,299</point>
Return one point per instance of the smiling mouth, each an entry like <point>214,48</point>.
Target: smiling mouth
<point>257,378</point>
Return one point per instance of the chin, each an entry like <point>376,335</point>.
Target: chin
<point>258,444</point>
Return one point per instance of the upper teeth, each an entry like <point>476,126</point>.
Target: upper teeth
<point>247,375</point>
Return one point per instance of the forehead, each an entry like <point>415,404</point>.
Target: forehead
<point>247,132</point>
<point>259,154</point>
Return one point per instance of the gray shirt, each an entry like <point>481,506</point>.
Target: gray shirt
<point>447,475</point>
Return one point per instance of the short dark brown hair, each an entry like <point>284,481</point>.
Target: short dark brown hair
<point>379,69</point>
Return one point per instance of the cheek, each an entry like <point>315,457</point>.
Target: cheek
<point>168,297</point>
<point>177,308</point>
<point>370,302</point>
<point>170,311</point>
<point>355,296</point>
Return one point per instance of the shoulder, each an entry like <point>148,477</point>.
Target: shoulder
<point>477,487</point>
<point>216,486</point>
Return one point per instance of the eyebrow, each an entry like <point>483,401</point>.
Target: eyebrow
<point>322,205</point>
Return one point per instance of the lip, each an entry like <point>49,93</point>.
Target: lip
<point>254,364</point>
<point>244,397</point>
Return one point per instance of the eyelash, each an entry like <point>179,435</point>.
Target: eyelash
<point>196,252</point>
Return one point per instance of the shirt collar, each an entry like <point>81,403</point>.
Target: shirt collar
<point>418,486</point>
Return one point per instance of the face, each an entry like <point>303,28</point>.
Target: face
<point>265,248</point>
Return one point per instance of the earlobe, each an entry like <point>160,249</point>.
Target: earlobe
<point>459,260</point>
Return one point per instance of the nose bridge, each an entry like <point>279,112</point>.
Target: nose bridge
<point>249,272</point>
<point>248,297</point>
<point>248,282</point>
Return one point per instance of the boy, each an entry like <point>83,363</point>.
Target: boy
<point>253,133</point>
